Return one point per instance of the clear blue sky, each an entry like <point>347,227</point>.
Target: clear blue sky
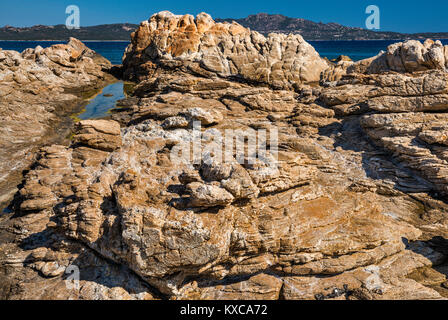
<point>396,15</point>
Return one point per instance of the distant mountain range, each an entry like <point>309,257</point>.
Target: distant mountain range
<point>262,22</point>
<point>267,23</point>
<point>121,31</point>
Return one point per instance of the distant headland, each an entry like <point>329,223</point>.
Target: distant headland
<point>262,22</point>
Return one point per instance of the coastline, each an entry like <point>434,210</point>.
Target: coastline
<point>320,40</point>
<point>63,40</point>
<point>419,39</point>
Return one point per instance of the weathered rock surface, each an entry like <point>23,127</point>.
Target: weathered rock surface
<point>403,57</point>
<point>348,203</point>
<point>220,49</point>
<point>411,56</point>
<point>403,114</point>
<point>98,134</point>
<point>38,89</point>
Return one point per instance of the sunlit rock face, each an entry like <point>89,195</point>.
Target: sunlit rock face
<point>39,89</point>
<point>349,204</point>
<point>220,49</point>
<point>402,57</point>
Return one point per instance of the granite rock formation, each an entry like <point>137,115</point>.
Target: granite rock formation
<point>347,203</point>
<point>402,57</point>
<point>223,49</point>
<point>38,89</point>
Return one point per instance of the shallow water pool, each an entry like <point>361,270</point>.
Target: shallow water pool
<point>99,106</point>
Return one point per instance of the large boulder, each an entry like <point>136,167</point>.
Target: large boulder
<point>98,134</point>
<point>223,49</point>
<point>411,56</point>
<point>402,57</point>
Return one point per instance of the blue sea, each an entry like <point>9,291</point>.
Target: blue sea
<point>113,50</point>
<point>356,50</point>
<point>99,105</point>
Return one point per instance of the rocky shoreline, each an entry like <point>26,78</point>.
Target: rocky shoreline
<point>350,205</point>
<point>40,89</point>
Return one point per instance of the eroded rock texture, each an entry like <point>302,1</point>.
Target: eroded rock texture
<point>38,88</point>
<point>350,207</point>
<point>402,57</point>
<point>204,47</point>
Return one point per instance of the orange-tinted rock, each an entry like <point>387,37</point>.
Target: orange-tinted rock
<point>221,49</point>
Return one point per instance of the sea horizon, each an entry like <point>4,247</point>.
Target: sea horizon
<point>113,50</point>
